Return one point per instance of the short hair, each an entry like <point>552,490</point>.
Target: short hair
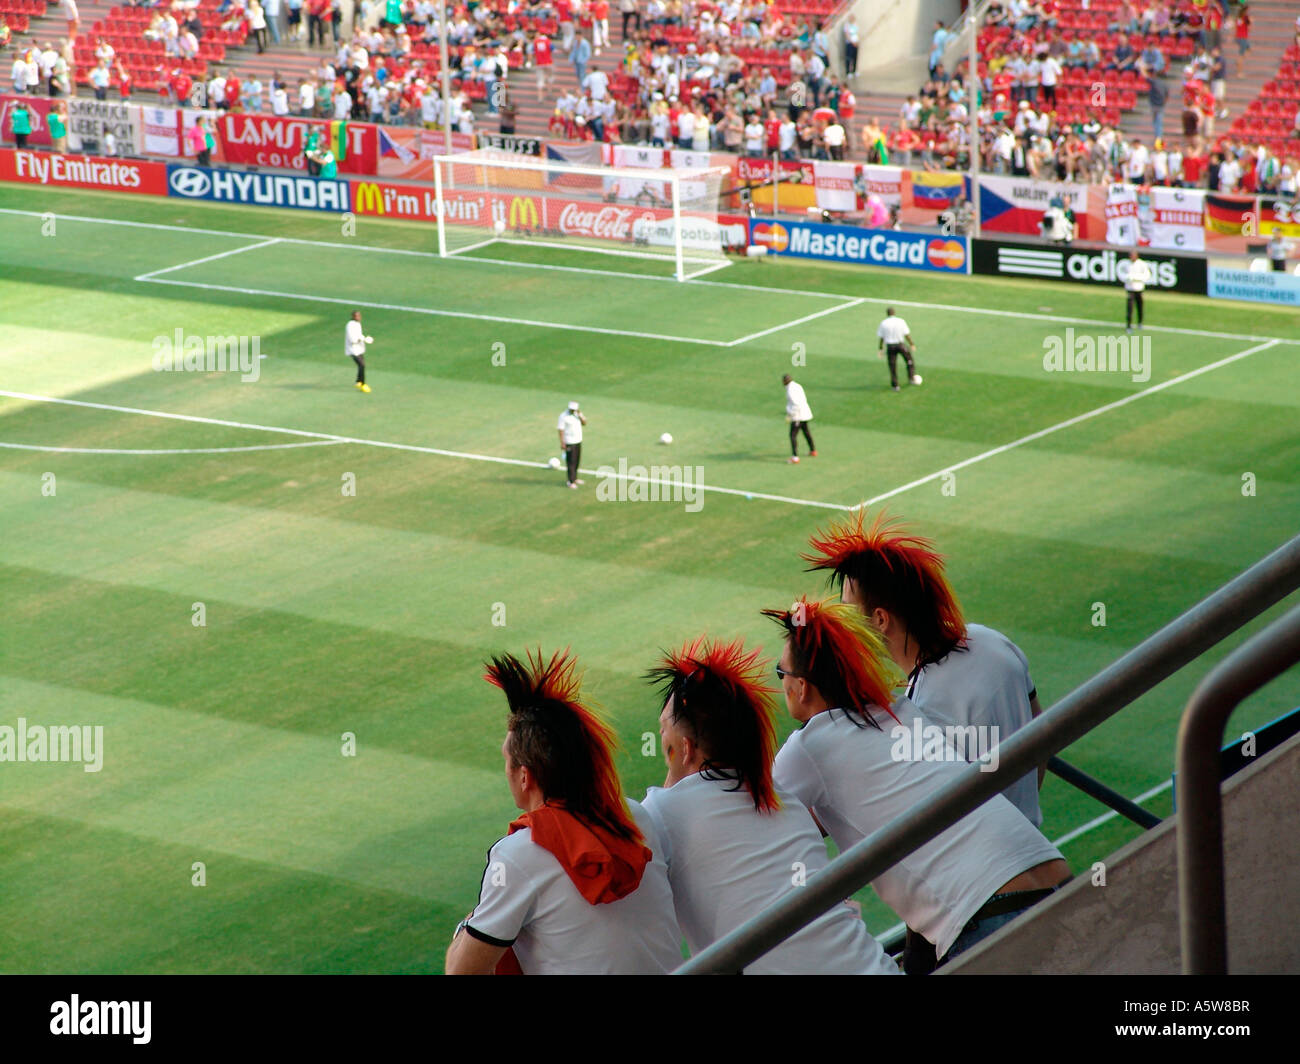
<point>718,697</point>
<point>889,312</point>
<point>835,650</point>
<point>895,571</point>
<point>563,743</point>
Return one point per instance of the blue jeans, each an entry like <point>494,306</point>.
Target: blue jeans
<point>982,930</point>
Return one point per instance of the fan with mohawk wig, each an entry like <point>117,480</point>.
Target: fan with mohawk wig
<point>563,743</point>
<point>897,571</point>
<point>834,649</point>
<point>719,697</point>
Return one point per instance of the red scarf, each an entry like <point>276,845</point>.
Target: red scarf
<point>603,866</point>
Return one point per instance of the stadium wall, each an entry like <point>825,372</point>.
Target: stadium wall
<point>1129,925</point>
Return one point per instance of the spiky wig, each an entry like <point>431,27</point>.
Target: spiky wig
<point>563,743</point>
<point>895,571</point>
<point>719,697</point>
<point>839,653</point>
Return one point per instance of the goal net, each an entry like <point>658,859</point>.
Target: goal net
<point>488,197</point>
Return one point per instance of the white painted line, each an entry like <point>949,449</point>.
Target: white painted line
<point>665,257</point>
<point>471,247</point>
<point>797,321</point>
<point>1083,829</point>
<point>1056,319</point>
<point>146,279</point>
<point>648,277</point>
<point>332,438</point>
<point>169,450</point>
<point>207,258</point>
<point>1066,424</point>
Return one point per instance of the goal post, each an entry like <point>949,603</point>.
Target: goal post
<point>489,197</point>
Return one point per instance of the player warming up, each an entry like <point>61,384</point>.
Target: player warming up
<point>798,413</point>
<point>896,339</point>
<point>1139,276</point>
<point>570,429</point>
<point>354,344</point>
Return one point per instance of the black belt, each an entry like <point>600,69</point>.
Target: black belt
<point>1011,902</point>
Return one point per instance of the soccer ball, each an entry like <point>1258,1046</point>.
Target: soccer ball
<point>554,463</point>
<point>500,227</point>
<point>916,378</point>
<point>666,438</point>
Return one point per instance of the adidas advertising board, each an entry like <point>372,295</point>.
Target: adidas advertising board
<point>1170,273</point>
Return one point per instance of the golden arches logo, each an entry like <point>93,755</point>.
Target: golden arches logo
<point>523,213</point>
<point>369,199</point>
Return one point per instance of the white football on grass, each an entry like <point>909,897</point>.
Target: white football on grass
<point>554,463</point>
<point>666,438</point>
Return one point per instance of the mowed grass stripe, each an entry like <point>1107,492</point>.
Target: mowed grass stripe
<point>382,820</point>
<point>121,903</point>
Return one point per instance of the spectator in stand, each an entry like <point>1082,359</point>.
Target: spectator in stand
<point>834,137</point>
<point>233,98</point>
<point>580,56</point>
<point>754,137</point>
<point>57,121</point>
<point>851,46</point>
<point>252,95</point>
<point>937,44</point>
<point>257,24</point>
<point>100,77</point>
<point>628,9</point>
<point>201,141</point>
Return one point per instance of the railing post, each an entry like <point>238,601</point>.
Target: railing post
<point>1202,894</point>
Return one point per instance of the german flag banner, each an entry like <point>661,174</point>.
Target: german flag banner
<point>1229,214</point>
<point>1279,213</point>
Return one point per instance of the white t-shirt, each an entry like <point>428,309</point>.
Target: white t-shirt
<point>598,82</point>
<point>834,135</point>
<point>754,136</point>
<point>529,902</point>
<point>796,403</point>
<point>727,863</point>
<point>893,330</point>
<point>1139,275</point>
<point>571,425</point>
<point>279,102</point>
<point>849,777</point>
<point>787,133</point>
<point>354,338</point>
<point>988,684</point>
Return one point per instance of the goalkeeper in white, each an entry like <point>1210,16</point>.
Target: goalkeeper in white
<point>354,345</point>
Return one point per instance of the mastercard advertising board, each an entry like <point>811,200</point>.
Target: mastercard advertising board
<point>870,247</point>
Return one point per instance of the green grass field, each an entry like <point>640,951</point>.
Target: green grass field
<point>372,613</point>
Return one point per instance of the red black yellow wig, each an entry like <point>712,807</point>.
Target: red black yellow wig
<point>720,698</point>
<point>895,571</point>
<point>834,648</point>
<point>564,744</point>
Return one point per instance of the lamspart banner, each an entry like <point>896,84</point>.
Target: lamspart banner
<point>278,142</point>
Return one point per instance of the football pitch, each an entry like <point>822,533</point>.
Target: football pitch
<point>321,750</point>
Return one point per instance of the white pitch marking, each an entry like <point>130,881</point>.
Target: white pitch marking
<point>145,279</point>
<point>1070,836</point>
<point>797,321</point>
<point>648,277</point>
<point>169,450</point>
<point>1065,424</point>
<point>332,438</point>
<point>207,258</point>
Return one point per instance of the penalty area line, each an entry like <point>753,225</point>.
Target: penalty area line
<point>327,437</point>
<point>1077,419</point>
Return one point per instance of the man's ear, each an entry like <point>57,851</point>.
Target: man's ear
<point>881,619</point>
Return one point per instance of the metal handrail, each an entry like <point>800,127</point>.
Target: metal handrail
<point>1201,891</point>
<point>1239,601</point>
<point>1093,788</point>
